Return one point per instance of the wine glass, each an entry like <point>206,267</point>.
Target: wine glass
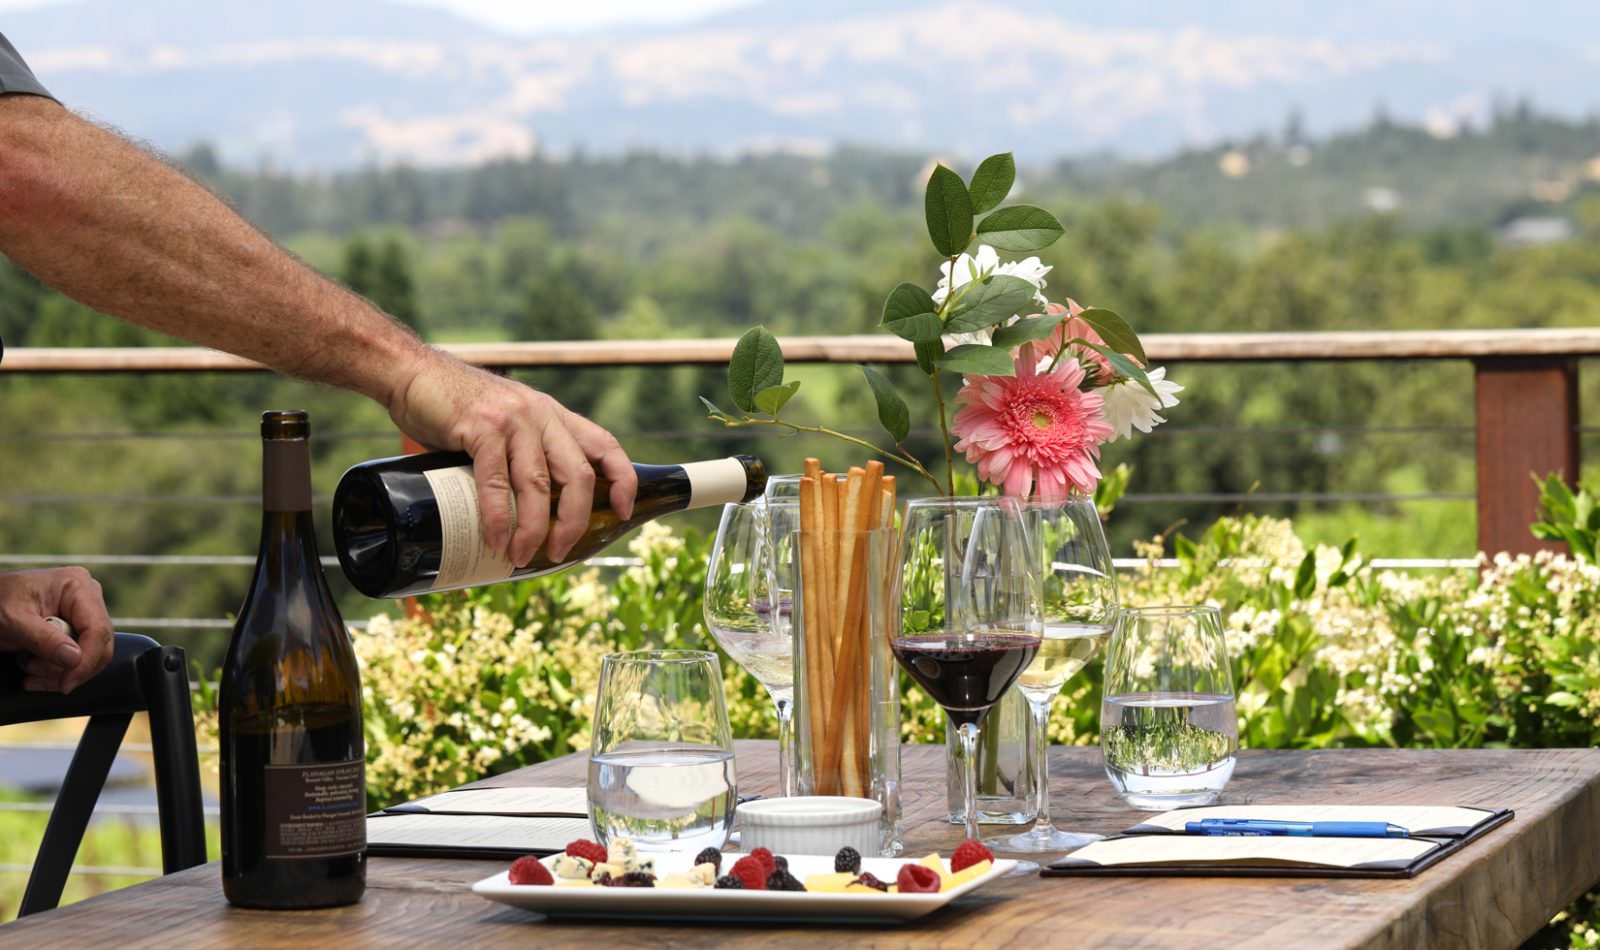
<point>968,621</point>
<point>750,619</point>
<point>661,765</point>
<point>1079,611</point>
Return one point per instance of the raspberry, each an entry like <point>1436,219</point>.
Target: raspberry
<point>869,879</point>
<point>848,859</point>
<point>917,879</point>
<point>728,882</point>
<point>709,856</point>
<point>750,872</point>
<point>631,879</point>
<point>530,870</point>
<point>766,859</point>
<point>783,881</point>
<point>968,853</point>
<point>588,850</point>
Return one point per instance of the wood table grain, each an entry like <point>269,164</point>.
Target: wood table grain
<point>1495,893</point>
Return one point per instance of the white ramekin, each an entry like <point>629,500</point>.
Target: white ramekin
<point>811,824</point>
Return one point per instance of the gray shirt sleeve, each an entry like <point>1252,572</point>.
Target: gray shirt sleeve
<point>15,76</point>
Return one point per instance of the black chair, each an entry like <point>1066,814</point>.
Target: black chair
<point>143,676</point>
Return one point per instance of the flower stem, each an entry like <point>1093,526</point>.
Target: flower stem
<point>903,457</point>
<point>944,428</point>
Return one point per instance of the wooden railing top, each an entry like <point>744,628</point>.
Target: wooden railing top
<point>1162,348</point>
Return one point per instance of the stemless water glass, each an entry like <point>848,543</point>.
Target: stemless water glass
<point>661,753</point>
<point>750,618</point>
<point>1079,610</point>
<point>968,623</point>
<point>1167,723</point>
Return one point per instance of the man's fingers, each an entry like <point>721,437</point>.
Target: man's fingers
<point>530,477</point>
<point>606,452</point>
<point>47,642</point>
<point>83,605</point>
<point>489,471</point>
<point>572,472</point>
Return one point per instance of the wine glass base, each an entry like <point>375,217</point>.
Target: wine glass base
<point>1028,842</point>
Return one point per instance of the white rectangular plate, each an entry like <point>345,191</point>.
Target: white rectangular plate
<point>648,903</point>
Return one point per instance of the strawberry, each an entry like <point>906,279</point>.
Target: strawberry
<point>970,852</point>
<point>765,857</point>
<point>917,879</point>
<point>530,870</point>
<point>590,851</point>
<point>750,872</point>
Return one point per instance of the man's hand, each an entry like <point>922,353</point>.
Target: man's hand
<point>27,598</point>
<point>522,442</point>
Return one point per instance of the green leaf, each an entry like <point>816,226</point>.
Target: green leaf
<point>1121,364</point>
<point>1305,579</point>
<point>1020,228</point>
<point>995,299</point>
<point>1026,331</point>
<point>929,352</point>
<point>711,408</point>
<point>1563,699</point>
<point>1117,332</point>
<point>892,411</point>
<point>992,182</point>
<point>948,208</point>
<point>919,328</point>
<point>773,398</point>
<point>906,300</point>
<point>978,358</point>
<point>757,364</point>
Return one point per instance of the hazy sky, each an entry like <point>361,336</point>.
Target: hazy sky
<point>536,16</point>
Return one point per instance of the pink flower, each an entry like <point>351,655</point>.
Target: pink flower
<point>1034,432</point>
<point>1074,329</point>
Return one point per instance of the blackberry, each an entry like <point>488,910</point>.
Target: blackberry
<point>710,856</point>
<point>867,878</point>
<point>848,859</point>
<point>781,863</point>
<point>631,879</point>
<point>728,882</point>
<point>783,881</point>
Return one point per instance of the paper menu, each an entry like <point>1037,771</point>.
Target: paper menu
<point>469,832</point>
<point>1436,820</point>
<point>1205,850</point>
<point>530,801</point>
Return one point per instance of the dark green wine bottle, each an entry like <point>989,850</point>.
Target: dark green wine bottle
<point>293,759</point>
<point>411,524</point>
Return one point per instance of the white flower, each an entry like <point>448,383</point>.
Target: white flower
<point>987,262</point>
<point>1130,406</point>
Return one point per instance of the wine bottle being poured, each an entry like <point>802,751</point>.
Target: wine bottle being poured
<point>411,525</point>
<point>293,776</point>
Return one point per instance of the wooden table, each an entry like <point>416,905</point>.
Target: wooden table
<point>1495,893</point>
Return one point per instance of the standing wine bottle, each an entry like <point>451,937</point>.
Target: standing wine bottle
<point>411,525</point>
<point>294,828</point>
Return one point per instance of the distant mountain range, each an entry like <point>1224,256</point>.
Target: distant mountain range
<point>329,84</point>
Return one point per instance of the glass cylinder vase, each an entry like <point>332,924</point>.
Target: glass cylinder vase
<point>1005,778</point>
<point>847,694</point>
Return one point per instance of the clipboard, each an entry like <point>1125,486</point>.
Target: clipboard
<point>1154,849</point>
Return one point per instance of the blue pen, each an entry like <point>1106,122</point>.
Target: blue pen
<point>1303,829</point>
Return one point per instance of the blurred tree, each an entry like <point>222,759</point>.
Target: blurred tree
<point>383,276</point>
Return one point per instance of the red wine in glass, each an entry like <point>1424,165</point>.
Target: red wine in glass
<point>967,675</point>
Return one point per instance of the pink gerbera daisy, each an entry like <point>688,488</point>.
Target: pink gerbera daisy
<point>1034,432</point>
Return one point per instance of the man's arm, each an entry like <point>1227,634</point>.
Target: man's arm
<point>111,227</point>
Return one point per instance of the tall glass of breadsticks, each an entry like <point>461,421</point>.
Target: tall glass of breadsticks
<point>847,700</point>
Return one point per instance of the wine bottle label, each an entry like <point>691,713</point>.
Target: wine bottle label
<point>464,560</point>
<point>717,482</point>
<point>316,811</point>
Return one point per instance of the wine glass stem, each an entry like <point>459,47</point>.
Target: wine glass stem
<point>786,772</point>
<point>967,733</point>
<point>1041,770</point>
